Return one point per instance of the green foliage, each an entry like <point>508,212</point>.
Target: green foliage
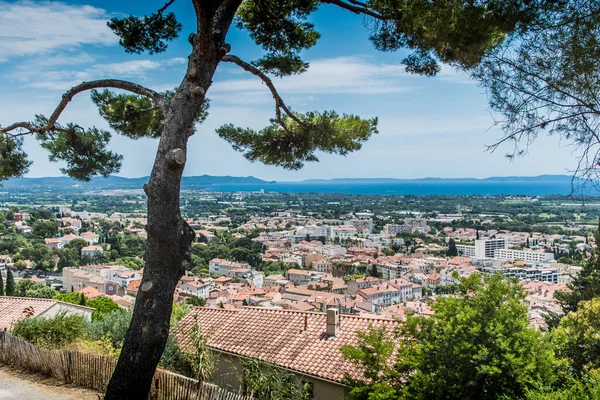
<point>584,286</point>
<point>136,116</point>
<point>175,359</point>
<point>29,288</point>
<point>476,345</point>
<point>10,283</point>
<point>198,363</point>
<point>71,297</point>
<point>179,311</point>
<point>452,250</point>
<point>84,151</point>
<point>280,27</point>
<point>102,306</point>
<point>13,160</point>
<point>586,388</point>
<point>454,32</point>
<point>195,301</point>
<point>113,325</point>
<point>50,332</point>
<point>269,382</point>
<point>292,146</point>
<point>45,229</point>
<point>148,33</point>
<point>132,115</point>
<point>577,337</point>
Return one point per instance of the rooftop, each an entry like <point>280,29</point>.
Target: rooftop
<point>243,332</point>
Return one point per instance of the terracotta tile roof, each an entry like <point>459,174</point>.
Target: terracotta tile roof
<point>13,309</point>
<point>134,285</point>
<point>90,292</point>
<point>277,336</point>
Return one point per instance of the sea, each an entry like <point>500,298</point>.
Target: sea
<point>453,188</point>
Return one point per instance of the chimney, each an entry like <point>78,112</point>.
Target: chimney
<point>333,322</point>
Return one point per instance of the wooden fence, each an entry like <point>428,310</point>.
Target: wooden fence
<point>94,371</point>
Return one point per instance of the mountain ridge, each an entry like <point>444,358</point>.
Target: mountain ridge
<point>205,181</point>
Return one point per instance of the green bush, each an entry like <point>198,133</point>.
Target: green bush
<point>113,326</point>
<point>102,306</point>
<point>176,360</point>
<point>51,332</point>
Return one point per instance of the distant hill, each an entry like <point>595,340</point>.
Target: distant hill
<point>118,182</point>
<point>495,179</point>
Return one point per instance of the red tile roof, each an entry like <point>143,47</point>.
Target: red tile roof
<point>277,336</point>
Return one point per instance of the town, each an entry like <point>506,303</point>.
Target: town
<point>295,260</point>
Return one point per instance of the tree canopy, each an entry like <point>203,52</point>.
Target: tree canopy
<point>477,344</point>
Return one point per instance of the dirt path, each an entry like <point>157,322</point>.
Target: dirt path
<point>19,385</point>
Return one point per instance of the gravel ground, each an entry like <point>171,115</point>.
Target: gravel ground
<point>19,385</point>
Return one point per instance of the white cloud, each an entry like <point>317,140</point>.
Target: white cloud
<point>341,75</point>
<point>68,59</point>
<point>64,79</point>
<point>30,28</point>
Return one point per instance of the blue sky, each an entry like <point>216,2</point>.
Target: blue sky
<point>428,126</point>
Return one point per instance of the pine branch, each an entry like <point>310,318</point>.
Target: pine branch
<point>279,103</point>
<point>357,7</point>
<point>68,96</point>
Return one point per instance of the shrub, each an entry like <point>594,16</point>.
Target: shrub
<point>102,306</point>
<point>113,326</point>
<point>51,332</point>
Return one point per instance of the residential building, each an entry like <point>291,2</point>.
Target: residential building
<point>465,250</point>
<point>300,277</point>
<point>485,248</point>
<point>223,267</point>
<point>14,309</point>
<point>529,256</point>
<point>295,340</point>
<point>91,251</point>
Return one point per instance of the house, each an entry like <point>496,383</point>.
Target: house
<point>90,237</point>
<point>14,309</point>
<point>303,277</point>
<point>133,287</point>
<point>91,251</point>
<point>304,343</point>
<point>91,292</point>
<point>433,280</point>
<point>195,287</point>
<point>223,267</point>
<point>53,243</point>
<point>362,283</point>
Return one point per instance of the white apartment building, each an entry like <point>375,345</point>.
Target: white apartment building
<point>465,250</point>
<point>529,256</point>
<point>312,232</point>
<point>410,225</point>
<point>484,248</point>
<point>223,267</point>
<point>343,232</point>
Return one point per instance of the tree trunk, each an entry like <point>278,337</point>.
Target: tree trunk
<point>169,236</point>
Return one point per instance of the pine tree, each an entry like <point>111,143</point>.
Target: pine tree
<point>10,283</point>
<point>1,285</point>
<point>81,299</point>
<point>452,250</point>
